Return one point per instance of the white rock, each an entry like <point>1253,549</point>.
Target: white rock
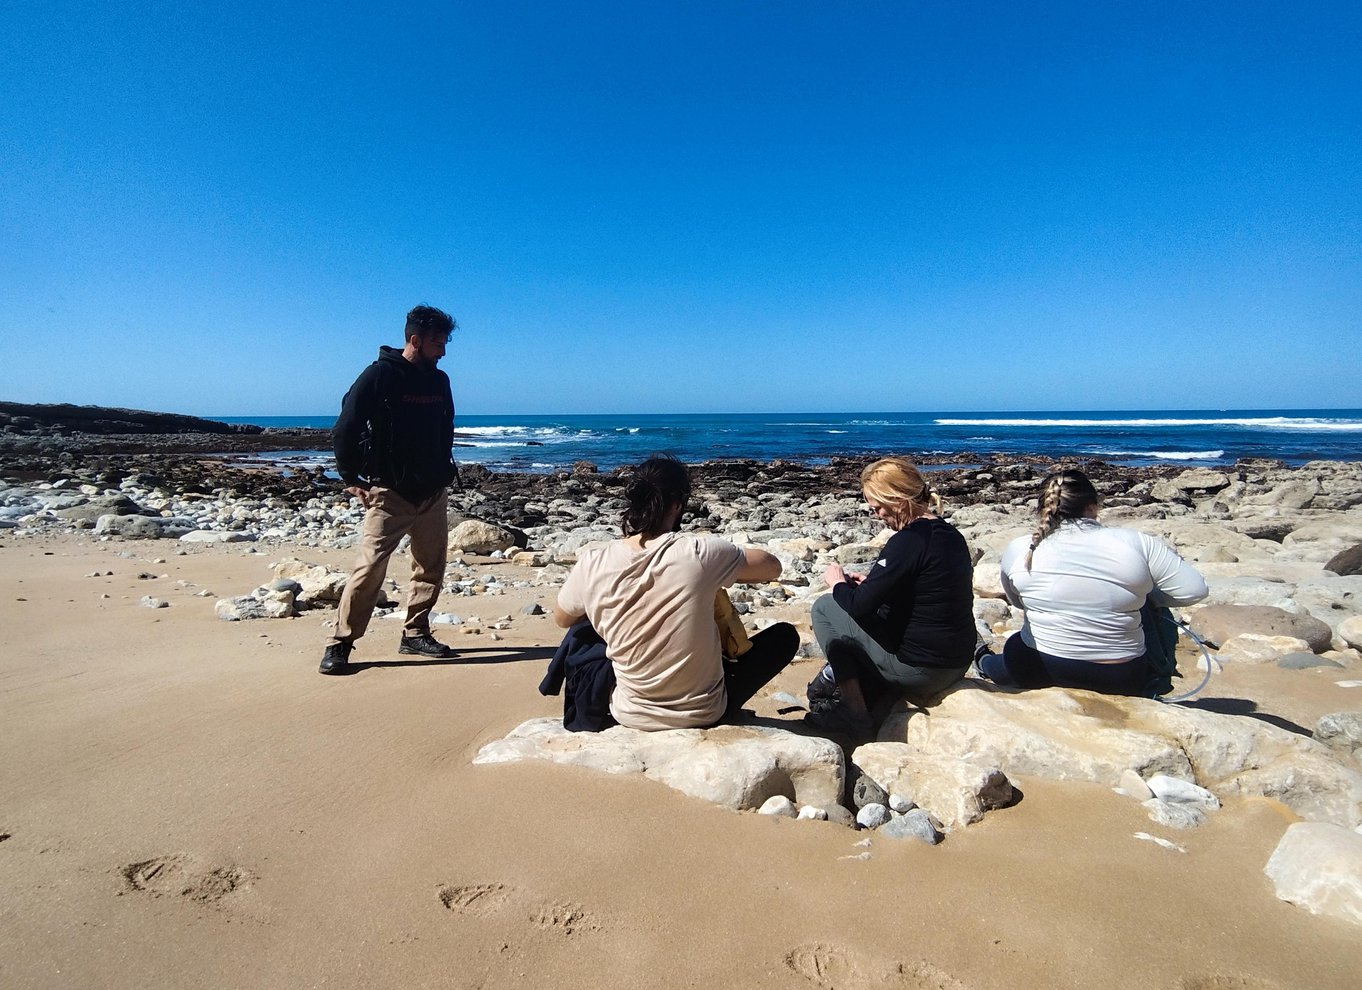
<point>810,813</point>
<point>476,536</point>
<point>738,766</point>
<point>1350,630</point>
<point>1318,866</point>
<point>778,804</point>
<point>1172,846</point>
<point>1133,785</point>
<point>1062,734</point>
<point>1260,648</point>
<point>214,536</point>
<point>957,791</point>
<point>1179,791</point>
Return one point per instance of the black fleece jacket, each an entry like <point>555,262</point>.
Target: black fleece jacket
<point>396,428</point>
<point>918,599</point>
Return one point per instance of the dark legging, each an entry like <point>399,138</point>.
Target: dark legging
<point>1026,667</point>
<point>772,650</point>
<point>853,654</point>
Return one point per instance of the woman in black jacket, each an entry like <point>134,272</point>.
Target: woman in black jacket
<point>907,626</point>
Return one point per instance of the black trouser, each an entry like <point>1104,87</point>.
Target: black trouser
<point>772,650</point>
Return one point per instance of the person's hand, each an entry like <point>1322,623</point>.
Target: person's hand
<point>852,577</point>
<point>834,575</point>
<point>360,493</point>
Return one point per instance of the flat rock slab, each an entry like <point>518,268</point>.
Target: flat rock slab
<point>737,766</point>
<point>1062,734</point>
<point>1220,623</point>
<point>1319,867</point>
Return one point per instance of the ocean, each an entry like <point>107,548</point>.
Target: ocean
<point>1210,437</point>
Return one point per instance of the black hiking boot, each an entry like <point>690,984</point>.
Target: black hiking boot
<point>425,645</point>
<point>336,659</point>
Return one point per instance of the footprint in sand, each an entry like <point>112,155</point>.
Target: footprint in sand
<point>474,898</point>
<point>185,877</point>
<point>485,899</point>
<point>570,919</point>
<point>836,968</point>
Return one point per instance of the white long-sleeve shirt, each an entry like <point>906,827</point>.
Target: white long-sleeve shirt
<point>1086,586</point>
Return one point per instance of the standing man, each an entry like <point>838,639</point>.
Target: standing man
<point>393,442</point>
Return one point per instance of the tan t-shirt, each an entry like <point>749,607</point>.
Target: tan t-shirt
<point>655,610</point>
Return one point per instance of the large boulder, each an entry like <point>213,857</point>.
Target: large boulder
<point>318,582</point>
<point>1319,867</point>
<point>476,536</point>
<point>957,791</point>
<point>1063,734</point>
<point>737,766</point>
<point>132,527</point>
<point>1347,561</point>
<point>1217,624</point>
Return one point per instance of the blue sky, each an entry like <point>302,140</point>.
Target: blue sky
<point>672,207</point>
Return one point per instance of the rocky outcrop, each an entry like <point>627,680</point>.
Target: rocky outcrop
<point>1061,734</point>
<point>736,766</point>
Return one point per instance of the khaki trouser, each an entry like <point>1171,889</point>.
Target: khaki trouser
<point>389,518</point>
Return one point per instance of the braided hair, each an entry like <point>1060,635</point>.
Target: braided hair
<point>1063,495</point>
<point>895,482</point>
<point>657,485</point>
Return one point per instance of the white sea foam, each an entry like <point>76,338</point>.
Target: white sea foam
<point>1249,422</point>
<point>1164,455</point>
<point>834,431</point>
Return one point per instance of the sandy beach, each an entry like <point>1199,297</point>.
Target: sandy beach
<point>187,803</point>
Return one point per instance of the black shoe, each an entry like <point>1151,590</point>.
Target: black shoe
<point>336,659</point>
<point>425,645</point>
<point>842,720</point>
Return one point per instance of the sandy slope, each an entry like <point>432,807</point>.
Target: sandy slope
<point>188,803</point>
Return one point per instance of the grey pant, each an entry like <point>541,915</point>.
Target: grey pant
<point>388,519</point>
<point>853,654</point>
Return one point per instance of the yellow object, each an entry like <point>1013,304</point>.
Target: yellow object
<point>732,636</point>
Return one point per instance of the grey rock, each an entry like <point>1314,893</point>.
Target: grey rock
<point>1175,815</point>
<point>866,791</point>
<point>131,527</point>
<point>1342,732</point>
<point>1347,561</point>
<point>873,816</point>
<point>534,608</point>
<point>901,804</point>
<point>150,602</point>
<point>1301,660</point>
<point>1319,867</point>
<point>916,824</point>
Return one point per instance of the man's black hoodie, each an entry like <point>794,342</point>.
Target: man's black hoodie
<point>396,428</point>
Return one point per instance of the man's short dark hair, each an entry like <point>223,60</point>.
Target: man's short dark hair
<point>428,322</point>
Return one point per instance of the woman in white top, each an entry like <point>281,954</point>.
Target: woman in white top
<point>1083,586</point>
